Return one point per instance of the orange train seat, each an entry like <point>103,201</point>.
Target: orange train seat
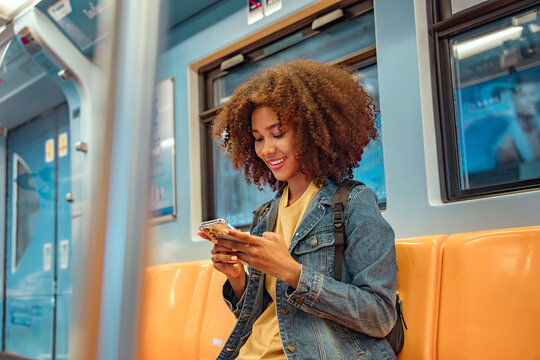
<point>218,320</point>
<point>174,300</point>
<point>418,281</point>
<point>490,295</point>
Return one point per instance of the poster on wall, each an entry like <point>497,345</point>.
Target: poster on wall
<point>163,180</point>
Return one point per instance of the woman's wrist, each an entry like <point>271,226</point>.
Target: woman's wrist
<point>238,284</point>
<point>292,275</point>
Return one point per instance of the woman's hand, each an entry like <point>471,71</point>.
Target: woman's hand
<point>268,254</point>
<point>225,260</point>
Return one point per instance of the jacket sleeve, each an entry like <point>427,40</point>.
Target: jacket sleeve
<point>365,300</point>
<point>234,304</point>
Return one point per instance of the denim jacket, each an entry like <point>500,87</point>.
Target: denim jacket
<point>324,318</point>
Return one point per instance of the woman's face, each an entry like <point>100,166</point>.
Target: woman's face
<point>275,145</point>
<point>526,99</point>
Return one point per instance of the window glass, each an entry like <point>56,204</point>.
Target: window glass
<point>340,40</point>
<point>371,168</point>
<point>459,5</point>
<point>26,208</point>
<point>234,200</point>
<point>496,87</point>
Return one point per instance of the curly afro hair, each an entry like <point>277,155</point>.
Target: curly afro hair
<point>333,118</point>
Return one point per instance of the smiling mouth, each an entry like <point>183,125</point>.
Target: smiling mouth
<point>276,164</point>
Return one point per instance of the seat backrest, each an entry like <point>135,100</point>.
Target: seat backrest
<point>490,291</point>
<point>218,321</point>
<point>174,300</point>
<point>418,281</point>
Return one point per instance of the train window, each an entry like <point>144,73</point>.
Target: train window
<point>26,201</point>
<point>327,46</point>
<point>234,199</point>
<point>489,115</point>
<point>349,41</point>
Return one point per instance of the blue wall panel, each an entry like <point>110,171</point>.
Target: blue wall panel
<point>399,91</point>
<point>29,326</point>
<point>62,327</point>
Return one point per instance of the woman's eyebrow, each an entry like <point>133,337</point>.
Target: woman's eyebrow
<point>270,127</point>
<point>274,125</point>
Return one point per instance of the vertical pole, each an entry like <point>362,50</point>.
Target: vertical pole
<point>88,249</point>
<point>128,209</point>
<point>107,290</point>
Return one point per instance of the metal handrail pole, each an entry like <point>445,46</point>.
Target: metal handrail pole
<point>129,187</point>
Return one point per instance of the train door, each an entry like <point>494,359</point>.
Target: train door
<point>38,236</point>
<point>63,238</point>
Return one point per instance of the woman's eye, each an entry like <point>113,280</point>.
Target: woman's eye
<point>258,139</point>
<point>277,136</point>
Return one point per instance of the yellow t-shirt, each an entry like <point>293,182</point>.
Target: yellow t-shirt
<point>264,341</point>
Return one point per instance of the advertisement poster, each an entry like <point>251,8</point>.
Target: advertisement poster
<point>163,182</point>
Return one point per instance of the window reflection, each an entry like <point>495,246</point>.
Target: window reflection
<point>371,168</point>
<point>341,40</point>
<point>496,72</point>
<point>234,200</point>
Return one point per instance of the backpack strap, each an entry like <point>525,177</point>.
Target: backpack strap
<point>258,213</point>
<point>396,337</point>
<point>338,208</point>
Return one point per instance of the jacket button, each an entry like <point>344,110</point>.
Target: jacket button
<point>284,310</point>
<point>300,301</point>
<point>291,348</point>
<point>313,242</point>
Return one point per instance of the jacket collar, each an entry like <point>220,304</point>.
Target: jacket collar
<point>326,193</point>
<point>316,211</point>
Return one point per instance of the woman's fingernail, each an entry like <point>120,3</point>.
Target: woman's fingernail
<point>226,231</point>
<point>234,257</point>
<point>235,265</point>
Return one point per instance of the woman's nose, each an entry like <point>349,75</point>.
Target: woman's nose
<point>269,148</point>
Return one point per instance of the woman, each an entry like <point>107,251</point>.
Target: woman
<point>301,128</point>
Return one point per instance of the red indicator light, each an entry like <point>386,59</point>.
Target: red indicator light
<point>255,3</point>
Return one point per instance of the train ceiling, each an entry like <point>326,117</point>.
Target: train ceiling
<point>23,82</point>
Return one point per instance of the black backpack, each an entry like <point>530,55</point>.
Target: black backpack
<point>396,336</point>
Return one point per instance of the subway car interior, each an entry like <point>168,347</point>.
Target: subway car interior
<point>108,166</point>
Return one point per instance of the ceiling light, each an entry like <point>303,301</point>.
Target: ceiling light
<point>486,42</point>
<point>10,8</point>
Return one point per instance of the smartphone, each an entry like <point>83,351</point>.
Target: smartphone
<point>214,229</point>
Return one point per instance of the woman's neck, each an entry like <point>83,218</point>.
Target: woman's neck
<point>296,189</point>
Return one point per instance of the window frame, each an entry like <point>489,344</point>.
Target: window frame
<point>252,52</point>
<point>443,26</point>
